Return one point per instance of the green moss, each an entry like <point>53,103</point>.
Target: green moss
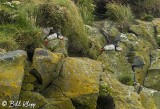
<point>27,86</point>
<point>105,90</point>
<point>126,79</point>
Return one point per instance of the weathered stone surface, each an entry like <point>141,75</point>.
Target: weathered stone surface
<point>28,86</point>
<point>56,98</point>
<point>146,31</point>
<point>46,66</point>
<point>153,78</point>
<point>60,46</point>
<point>156,97</point>
<point>80,77</point>
<point>115,62</point>
<point>147,98</point>
<point>122,96</point>
<point>11,74</point>
<point>33,98</point>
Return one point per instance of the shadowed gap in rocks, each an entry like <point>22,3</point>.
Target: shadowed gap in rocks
<point>105,102</point>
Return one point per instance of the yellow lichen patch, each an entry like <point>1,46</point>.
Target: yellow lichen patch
<point>80,76</point>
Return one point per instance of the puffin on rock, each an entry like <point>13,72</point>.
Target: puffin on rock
<point>111,47</point>
<point>51,35</point>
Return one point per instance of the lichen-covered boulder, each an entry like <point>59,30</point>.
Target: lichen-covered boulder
<point>116,62</point>
<point>146,31</point>
<point>153,78</point>
<point>46,66</point>
<point>11,74</point>
<point>34,98</point>
<point>79,81</point>
<point>115,95</point>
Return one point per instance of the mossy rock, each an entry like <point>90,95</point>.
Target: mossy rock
<point>85,101</point>
<point>118,95</point>
<point>146,31</point>
<point>147,99</point>
<point>116,62</point>
<point>64,15</point>
<point>29,78</point>
<point>11,74</point>
<point>77,73</point>
<point>46,66</point>
<point>27,86</point>
<point>32,97</point>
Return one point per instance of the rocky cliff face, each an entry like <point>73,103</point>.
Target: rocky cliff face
<point>56,78</point>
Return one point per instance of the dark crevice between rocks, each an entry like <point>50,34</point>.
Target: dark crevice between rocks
<point>105,102</point>
<point>37,75</point>
<point>30,51</point>
<point>78,105</point>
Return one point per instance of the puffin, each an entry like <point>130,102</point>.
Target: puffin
<point>51,35</point>
<point>111,47</point>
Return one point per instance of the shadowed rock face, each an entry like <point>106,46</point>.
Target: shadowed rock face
<point>11,74</point>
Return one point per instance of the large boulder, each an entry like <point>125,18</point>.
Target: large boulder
<point>46,66</point>
<point>153,78</point>
<point>12,66</point>
<point>79,81</point>
<point>114,95</point>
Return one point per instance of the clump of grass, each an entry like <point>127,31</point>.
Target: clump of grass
<point>7,42</point>
<point>86,9</point>
<point>121,14</point>
<point>151,7</point>
<point>147,17</point>
<point>126,79</point>
<point>20,27</point>
<point>63,14</point>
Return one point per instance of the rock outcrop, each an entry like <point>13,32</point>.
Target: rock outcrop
<point>12,66</point>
